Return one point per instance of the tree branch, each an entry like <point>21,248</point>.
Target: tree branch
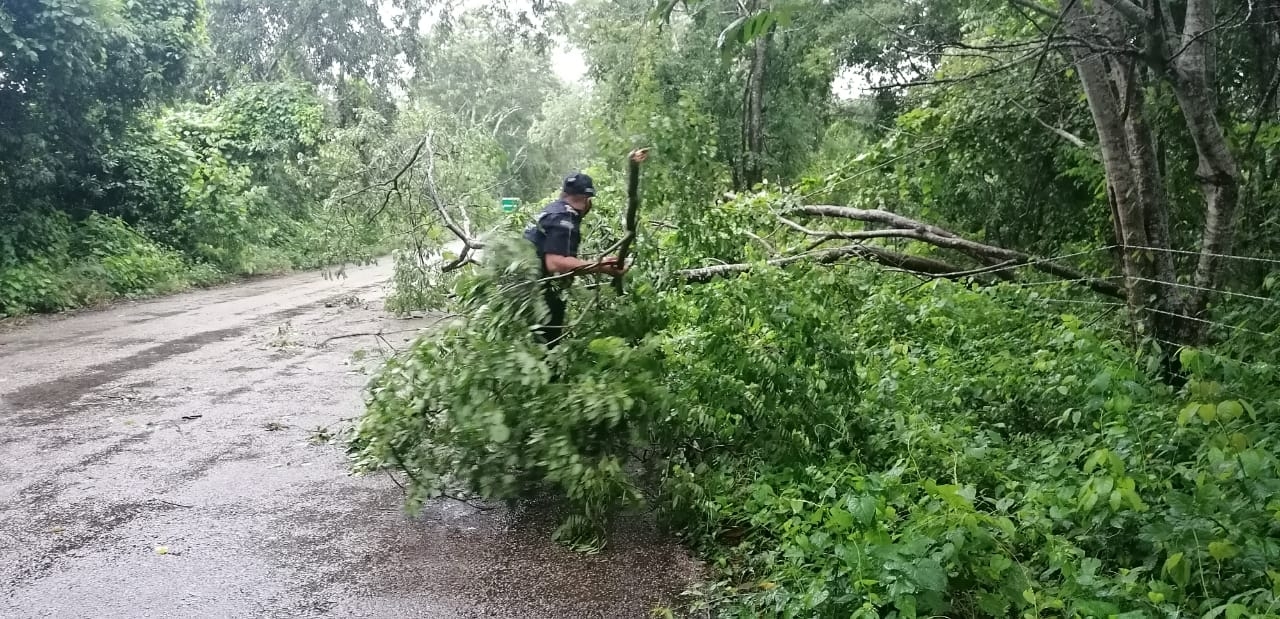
<point>442,208</point>
<point>915,264</point>
<point>1130,11</point>
<point>1264,108</point>
<point>1001,269</point>
<point>1062,133</point>
<point>630,222</point>
<point>1032,5</point>
<point>909,228</point>
<point>963,78</point>
<point>394,181</point>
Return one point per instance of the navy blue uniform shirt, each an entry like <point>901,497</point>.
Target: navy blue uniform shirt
<point>556,231</point>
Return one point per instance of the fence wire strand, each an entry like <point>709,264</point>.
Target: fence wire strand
<point>1198,253</point>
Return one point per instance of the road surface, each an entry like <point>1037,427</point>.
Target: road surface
<point>172,458</point>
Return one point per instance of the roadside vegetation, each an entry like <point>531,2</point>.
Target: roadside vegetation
<point>991,332</point>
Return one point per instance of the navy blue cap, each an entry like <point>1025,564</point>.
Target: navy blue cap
<point>579,184</point>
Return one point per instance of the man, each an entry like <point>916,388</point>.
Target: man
<point>555,235</point>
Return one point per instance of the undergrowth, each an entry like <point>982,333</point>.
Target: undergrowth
<point>50,263</point>
<point>840,442</point>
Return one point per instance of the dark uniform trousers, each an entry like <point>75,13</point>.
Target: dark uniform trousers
<point>554,329</point>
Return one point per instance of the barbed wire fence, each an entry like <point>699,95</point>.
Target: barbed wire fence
<point>1101,309</point>
<point>1109,307</point>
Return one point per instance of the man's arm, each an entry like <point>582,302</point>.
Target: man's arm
<point>558,245</point>
<point>559,265</point>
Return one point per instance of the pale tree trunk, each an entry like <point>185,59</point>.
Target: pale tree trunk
<point>1113,84</point>
<point>1217,171</point>
<point>753,111</point>
<point>1126,190</point>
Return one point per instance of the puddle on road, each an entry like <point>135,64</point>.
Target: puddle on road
<point>361,548</point>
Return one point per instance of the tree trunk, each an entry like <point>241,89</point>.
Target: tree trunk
<point>1149,182</point>
<point>753,128</point>
<point>1217,170</point>
<point>1113,84</point>
<point>1123,164</point>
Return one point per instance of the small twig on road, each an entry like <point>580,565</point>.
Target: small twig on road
<point>379,334</point>
<point>361,334</point>
<point>468,503</point>
<point>383,340</point>
<point>395,481</point>
<point>172,503</point>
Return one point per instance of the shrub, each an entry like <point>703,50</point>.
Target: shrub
<point>843,442</point>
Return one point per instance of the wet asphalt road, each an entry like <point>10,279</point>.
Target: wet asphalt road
<point>191,425</point>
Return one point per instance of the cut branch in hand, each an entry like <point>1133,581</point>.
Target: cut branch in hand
<point>633,208</point>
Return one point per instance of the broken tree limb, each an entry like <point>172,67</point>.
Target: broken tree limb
<point>633,208</point>
<point>442,208</point>
<point>996,266</point>
<point>915,264</point>
<point>904,227</point>
<point>393,182</point>
<point>876,216</point>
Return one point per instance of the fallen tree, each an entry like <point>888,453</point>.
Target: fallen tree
<point>997,260</point>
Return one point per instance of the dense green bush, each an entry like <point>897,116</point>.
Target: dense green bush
<point>88,262</point>
<point>983,459</point>
<point>843,442</point>
<point>188,196</point>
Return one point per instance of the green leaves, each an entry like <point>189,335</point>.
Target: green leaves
<point>499,433</point>
<point>929,575</point>
<point>863,509</point>
<point>485,405</point>
<point>840,520</point>
<point>1222,550</point>
<point>875,464</point>
<point>77,75</point>
<point>1229,410</point>
<point>747,28</point>
<point>1224,411</point>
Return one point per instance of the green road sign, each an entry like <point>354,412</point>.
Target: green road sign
<point>510,204</point>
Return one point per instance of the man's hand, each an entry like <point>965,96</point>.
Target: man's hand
<point>639,155</point>
<point>610,266</point>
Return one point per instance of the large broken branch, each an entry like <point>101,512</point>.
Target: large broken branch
<point>462,232</point>
<point>915,264</point>
<point>995,266</point>
<point>903,227</point>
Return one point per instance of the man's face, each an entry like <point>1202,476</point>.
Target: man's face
<point>582,204</point>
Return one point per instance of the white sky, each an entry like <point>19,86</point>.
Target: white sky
<point>570,66</point>
<point>568,63</point>
<point>566,60</point>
